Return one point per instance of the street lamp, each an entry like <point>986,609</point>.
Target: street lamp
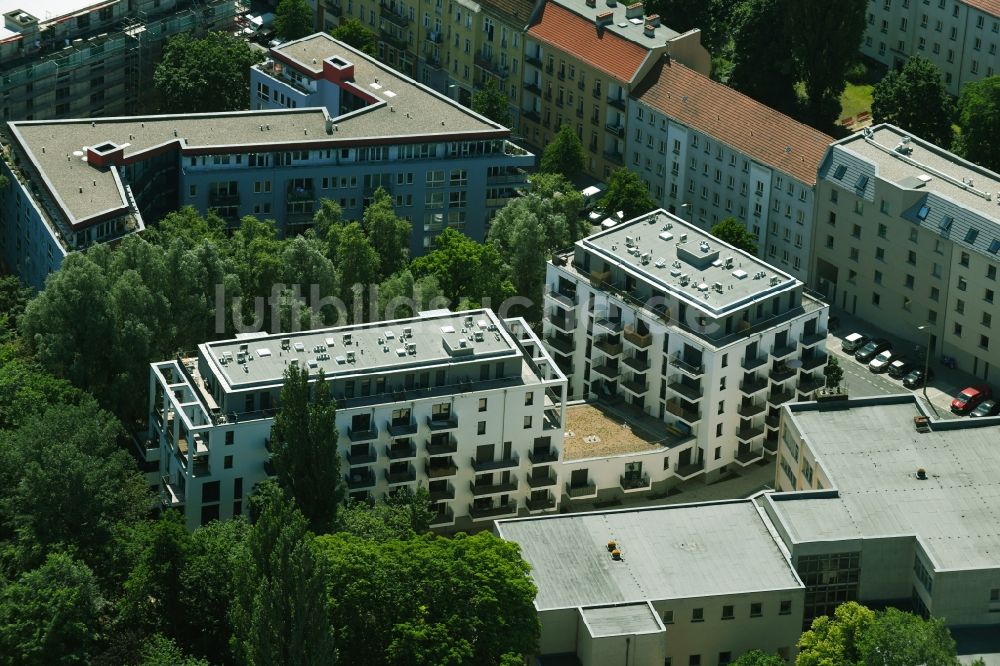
<point>927,358</point>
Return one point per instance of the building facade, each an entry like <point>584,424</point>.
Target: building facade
<point>91,59</point>
<point>961,38</point>
<point>582,62</point>
<point>907,238</point>
<point>674,324</point>
<point>707,152</point>
<point>465,404</point>
<point>79,182</point>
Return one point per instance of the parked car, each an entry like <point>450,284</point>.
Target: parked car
<point>872,349</point>
<point>969,398</point>
<point>854,342</point>
<point>882,360</point>
<point>986,408</point>
<point>900,367</point>
<point>916,379</point>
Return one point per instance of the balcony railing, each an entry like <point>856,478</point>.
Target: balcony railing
<point>560,345</point>
<point>781,372</point>
<point>509,509</point>
<point>814,361</point>
<point>631,484</point>
<point>689,392</point>
<point>780,397</point>
<point>437,425</point>
<point>751,410</point>
<point>687,367</point>
<point>748,433</point>
<point>616,129</point>
<point>609,324</point>
<point>400,452</point>
<point>755,385</point>
<point>488,465</point>
<point>685,472</point>
<point>543,456</point>
<point>223,199</point>
<point>490,65</point>
<point>588,489</point>
<point>690,416</point>
<point>613,349</point>
<point>366,458</point>
<point>440,470</point>
<point>447,493</point>
<point>534,61</point>
<point>433,37</point>
<point>171,494</point>
<point>562,322</point>
<point>614,156</point>
<point>636,363</point>
<point>402,428</point>
<point>781,351</point>
<point>772,420</point>
<point>446,517</point>
<point>810,339</point>
<point>635,387</point>
<point>752,363</point>
<point>362,435</point>
<point>542,504</point>
<point>394,478</point>
<point>749,455</point>
<point>493,489</point>
<point>617,102</point>
<point>396,19</point>
<point>357,480</point>
<point>300,194</point>
<point>606,370</point>
<point>640,340</point>
<point>533,88</point>
<point>541,480</point>
<point>440,448</point>
<point>564,300</point>
<point>808,383</point>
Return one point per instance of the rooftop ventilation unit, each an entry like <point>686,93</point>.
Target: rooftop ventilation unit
<point>666,236</point>
<point>703,246</point>
<point>286,343</point>
<point>717,286</point>
<point>684,279</point>
<point>299,346</point>
<point>244,349</point>
<point>629,241</point>
<point>729,262</point>
<point>684,238</point>
<point>775,280</point>
<point>646,258</point>
<point>350,357</point>
<point>660,262</point>
<point>411,348</point>
<point>347,338</point>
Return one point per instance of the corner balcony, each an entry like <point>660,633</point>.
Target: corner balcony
<point>503,511</point>
<point>689,416</point>
<point>635,387</point>
<point>442,424</point>
<point>808,383</point>
<point>747,433</point>
<point>533,60</point>
<point>536,480</point>
<point>440,469</point>
<point>773,421</point>
<point>686,366</point>
<point>562,322</point>
<point>366,458</point>
<point>608,324</point>
<point>566,301</point>
<point>784,351</point>
<point>813,361</point>
<point>781,373</point>
<point>559,345</point>
<point>606,370</point>
<point>171,494</point>
<point>543,456</point>
<point>689,471</point>
<point>615,128</point>
<point>637,364</point>
<point>360,479</point>
<point>752,363</point>
<point>610,349</point>
<point>752,386</point>
<point>781,397</point>
<point>584,491</point>
<point>442,448</point>
<point>492,465</point>
<point>401,451</point>
<point>748,455</point>
<point>402,476</point>
<point>537,505</point>
<point>396,19</point>
<point>634,484</point>
<point>483,490</point>
<point>749,410</point>
<point>812,339</point>
<point>639,340</point>
<point>443,519</point>
<point>692,393</point>
<point>366,435</point>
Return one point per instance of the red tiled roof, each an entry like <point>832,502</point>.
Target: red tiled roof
<point>991,7</point>
<point>575,35</point>
<point>754,129</point>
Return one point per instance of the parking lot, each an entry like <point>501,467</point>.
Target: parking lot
<point>861,382</point>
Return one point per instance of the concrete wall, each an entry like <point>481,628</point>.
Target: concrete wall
<point>630,650</point>
<point>29,247</point>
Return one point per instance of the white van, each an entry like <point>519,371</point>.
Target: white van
<point>592,194</point>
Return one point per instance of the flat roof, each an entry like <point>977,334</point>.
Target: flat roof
<point>47,10</point>
<point>597,432</point>
<point>870,451</point>
<point>663,250</point>
<point>417,342</point>
<point>619,620</point>
<point>672,552</point>
<point>951,187</point>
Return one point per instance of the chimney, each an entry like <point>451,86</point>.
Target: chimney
<point>612,3</point>
<point>653,20</point>
<point>634,10</point>
<point>592,3</point>
<point>649,30</point>
<point>605,18</point>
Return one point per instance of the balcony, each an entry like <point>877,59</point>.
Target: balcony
<point>566,301</point>
<point>396,19</point>
<point>440,470</point>
<point>781,397</point>
<point>689,416</point>
<point>637,364</point>
<point>366,458</point>
<point>490,465</point>
<point>481,490</point>
<point>782,351</point>
<point>401,451</point>
<point>689,392</point>
<point>300,194</point>
<point>612,349</point>
<point>564,323</point>
<point>534,61</point>
<point>755,385</point>
<point>746,433</point>
<point>402,428</point>
<point>441,424</point>
<point>586,490</point>
<point>632,484</point>
<point>542,504</point>
<point>752,409</point>
<point>812,339</point>
<point>359,479</point>
<point>640,340</point>
<point>635,387</point>
<point>442,448</point>
<point>362,435</point>
<point>536,480</point>
<point>223,199</point>
<point>686,366</point>
<point>533,88</point>
<point>608,370</point>
<point>171,494</point>
<point>599,277</point>
<point>814,361</point>
<point>443,519</point>
<point>489,65</point>
<point>748,455</point>
<point>447,493</point>
<point>773,420</point>
<point>689,471</point>
<point>781,372</point>
<point>617,102</point>
<point>405,476</point>
<point>808,383</point>
<point>433,37</point>
<point>614,156</point>
<point>614,325</point>
<point>509,509</point>
<point>560,345</point>
<point>617,129</point>
<point>753,363</point>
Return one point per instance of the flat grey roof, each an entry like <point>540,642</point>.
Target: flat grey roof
<point>673,552</point>
<point>47,11</point>
<point>663,250</point>
<point>618,620</point>
<point>375,348</point>
<point>871,450</point>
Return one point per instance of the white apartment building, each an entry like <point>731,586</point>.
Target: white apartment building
<point>879,503</point>
<point>466,404</point>
<point>692,585</point>
<point>907,236</point>
<point>676,326</point>
<point>959,37</point>
<point>707,152</point>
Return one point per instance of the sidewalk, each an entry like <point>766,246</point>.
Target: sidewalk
<point>946,383</point>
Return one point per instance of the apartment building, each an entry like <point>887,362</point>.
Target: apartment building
<point>669,322</point>
<point>452,46</point>
<point>959,37</point>
<point>880,502</point>
<point>79,182</point>
<point>583,60</point>
<point>907,238</point>
<point>465,404</point>
<point>707,152</point>
<point>687,584</point>
<point>83,59</point>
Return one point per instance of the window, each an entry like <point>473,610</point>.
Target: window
<point>878,277</point>
<point>957,330</point>
<point>727,613</point>
<point>881,231</point>
<point>230,437</point>
<point>725,658</point>
<point>482,401</point>
<point>755,609</point>
<point>962,283</point>
<point>694,660</point>
<point>908,282</point>
<point>481,428</point>
<point>988,296</point>
<point>527,421</point>
<point>987,319</point>
<point>668,617</point>
<point>854,254</point>
<point>880,254</point>
<point>935,293</point>
<point>984,342</point>
<point>876,298</point>
<point>529,399</point>
<point>991,272</point>
<point>960,306</point>
<point>718,453</point>
<point>964,259</point>
<point>697,614</point>
<point>856,231</point>
<point>785,608</point>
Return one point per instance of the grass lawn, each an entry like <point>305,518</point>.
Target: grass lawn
<point>856,99</point>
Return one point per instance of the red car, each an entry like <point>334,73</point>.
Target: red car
<point>967,400</point>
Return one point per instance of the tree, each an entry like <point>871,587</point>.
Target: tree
<point>490,101</point>
<point>626,193</point>
<point>763,67</point>
<point>14,296</point>
<point>401,515</point>
<point>50,615</point>
<point>161,651</point>
<point>304,444</point>
<point>403,295</point>
<point>835,640</point>
<point>354,33</point>
<point>293,19</point>
<point>204,74</point>
<point>281,614</point>
<point>389,234</point>
<point>758,658</point>
<point>731,231</point>
<point>565,199</point>
<point>188,225</point>
<point>915,99</point>
<point>979,121</point>
<point>26,389</point>
<point>825,39</point>
<point>710,16</point>
<point>467,272</point>
<point>834,373</point>
<point>564,154</point>
<point>358,267</point>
